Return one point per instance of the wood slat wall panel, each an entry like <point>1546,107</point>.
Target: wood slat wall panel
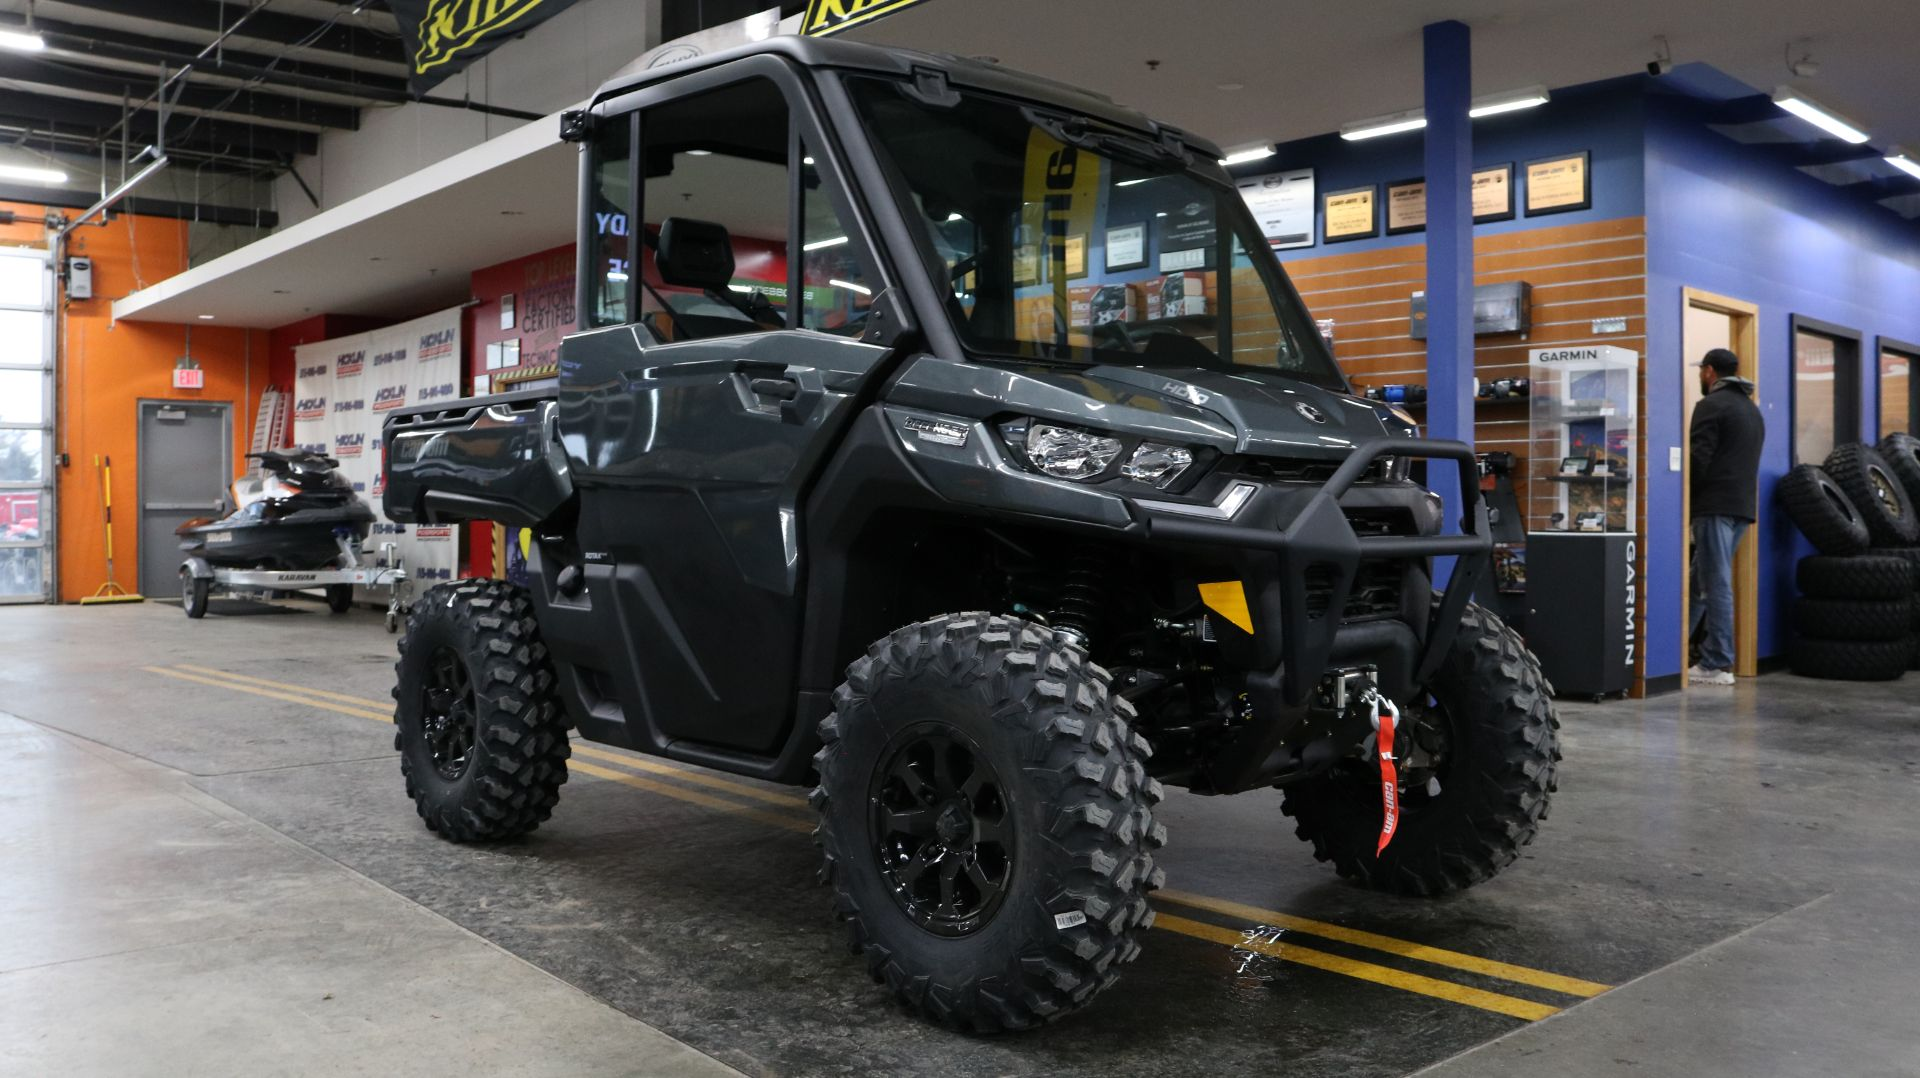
<point>1578,272</point>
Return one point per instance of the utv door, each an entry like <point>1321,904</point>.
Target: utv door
<point>731,357</point>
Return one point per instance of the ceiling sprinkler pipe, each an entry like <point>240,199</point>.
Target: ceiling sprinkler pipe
<point>115,195</point>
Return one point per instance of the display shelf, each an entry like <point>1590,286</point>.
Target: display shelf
<point>1582,409</point>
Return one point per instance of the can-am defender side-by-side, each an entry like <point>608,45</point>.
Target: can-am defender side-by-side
<point>951,440</point>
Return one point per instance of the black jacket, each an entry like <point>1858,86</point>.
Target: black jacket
<point>1726,436</point>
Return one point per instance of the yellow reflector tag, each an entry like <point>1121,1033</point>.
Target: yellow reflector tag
<point>1229,600</point>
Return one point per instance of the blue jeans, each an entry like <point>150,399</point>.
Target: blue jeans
<point>1714,541</point>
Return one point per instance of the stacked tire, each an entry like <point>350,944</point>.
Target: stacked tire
<point>1858,614</point>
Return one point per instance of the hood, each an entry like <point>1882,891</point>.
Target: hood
<point>1268,413</point>
<point>1734,381</point>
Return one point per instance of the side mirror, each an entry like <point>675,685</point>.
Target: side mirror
<point>576,125</point>
<point>694,254</point>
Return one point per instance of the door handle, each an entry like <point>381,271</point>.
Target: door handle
<point>784,389</point>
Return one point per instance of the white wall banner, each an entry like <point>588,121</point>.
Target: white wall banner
<point>343,391</point>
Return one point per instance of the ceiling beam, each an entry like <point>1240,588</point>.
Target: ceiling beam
<point>254,141</point>
<point>238,63</point>
<point>213,17</point>
<point>69,198</point>
<point>249,103</point>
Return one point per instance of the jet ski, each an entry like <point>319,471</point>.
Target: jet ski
<point>293,517</point>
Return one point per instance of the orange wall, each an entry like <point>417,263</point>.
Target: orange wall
<point>106,369</point>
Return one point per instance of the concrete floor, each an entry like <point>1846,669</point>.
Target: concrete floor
<point>207,865</point>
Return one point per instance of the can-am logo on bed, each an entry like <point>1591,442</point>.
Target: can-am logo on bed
<point>354,405</point>
<point>434,393</point>
<point>397,355</point>
<point>310,408</point>
<point>318,370</point>
<point>435,345</point>
<point>348,445</point>
<point>349,364</point>
<point>389,398</point>
<point>433,534</point>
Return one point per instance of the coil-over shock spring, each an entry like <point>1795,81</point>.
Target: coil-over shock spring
<point>1082,597</point>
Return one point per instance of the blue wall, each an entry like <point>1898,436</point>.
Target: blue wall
<point>1735,220</point>
<point>1603,118</point>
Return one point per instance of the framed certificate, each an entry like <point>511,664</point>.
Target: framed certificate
<point>1493,193</point>
<point>1559,184</point>
<point>1406,207</point>
<point>1126,247</point>
<point>1351,214</point>
<point>1282,203</point>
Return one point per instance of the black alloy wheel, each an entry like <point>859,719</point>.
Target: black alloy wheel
<point>447,715</point>
<point>941,830</point>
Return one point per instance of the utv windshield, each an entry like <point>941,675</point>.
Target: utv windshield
<point>1069,241</point>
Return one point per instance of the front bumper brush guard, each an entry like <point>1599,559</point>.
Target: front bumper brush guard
<point>1316,540</point>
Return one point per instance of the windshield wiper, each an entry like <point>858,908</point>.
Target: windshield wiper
<point>1108,141</point>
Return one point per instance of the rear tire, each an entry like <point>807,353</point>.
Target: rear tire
<point>482,739</point>
<point>339,598</point>
<point>1822,511</point>
<point>1063,846</point>
<point>193,594</point>
<point>1498,777</point>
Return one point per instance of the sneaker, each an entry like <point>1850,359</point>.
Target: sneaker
<point>1700,675</point>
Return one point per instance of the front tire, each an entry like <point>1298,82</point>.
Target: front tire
<point>193,594</point>
<point>986,821</point>
<point>482,739</point>
<point>1492,711</point>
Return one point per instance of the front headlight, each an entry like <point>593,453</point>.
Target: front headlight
<point>1157,465</point>
<point>1068,452</point>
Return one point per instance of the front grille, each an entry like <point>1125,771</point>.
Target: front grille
<point>1375,592</point>
<point>1290,470</point>
<point>1371,522</point>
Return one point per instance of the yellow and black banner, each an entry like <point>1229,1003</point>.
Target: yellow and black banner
<point>444,36</point>
<point>832,16</point>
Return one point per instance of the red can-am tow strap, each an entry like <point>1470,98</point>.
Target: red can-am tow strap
<point>1384,716</point>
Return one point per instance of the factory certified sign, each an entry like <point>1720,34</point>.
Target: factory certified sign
<point>832,16</point>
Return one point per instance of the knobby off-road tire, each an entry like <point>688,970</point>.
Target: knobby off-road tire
<point>1902,451</point>
<point>1853,619</point>
<point>1883,574</point>
<point>193,594</point>
<point>1823,512</point>
<point>1850,660</point>
<point>1870,485</point>
<point>1074,800</point>
<point>474,686</point>
<point>1496,777</point>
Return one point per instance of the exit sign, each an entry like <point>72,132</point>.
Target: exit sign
<point>189,378</point>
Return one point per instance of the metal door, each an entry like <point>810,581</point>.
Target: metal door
<point>185,466</point>
<point>26,426</point>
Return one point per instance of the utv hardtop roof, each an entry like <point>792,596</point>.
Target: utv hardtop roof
<point>903,63</point>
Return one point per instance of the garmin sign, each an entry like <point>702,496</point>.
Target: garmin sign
<point>1592,355</point>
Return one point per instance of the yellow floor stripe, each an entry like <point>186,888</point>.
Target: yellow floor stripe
<point>771,797</point>
<point>1481,999</point>
<point>271,694</point>
<point>791,823</point>
<point>377,705</point>
<point>1407,982</point>
<point>1553,982</point>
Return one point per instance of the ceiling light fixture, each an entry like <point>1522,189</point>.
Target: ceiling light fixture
<point>1241,157</point>
<point>1412,120</point>
<point>32,174</point>
<point>1818,115</point>
<point>206,318</point>
<point>27,40</point>
<point>1130,183</point>
<point>1901,160</point>
<point>818,244</point>
<point>1512,101</point>
<point>699,153</point>
<point>849,285</point>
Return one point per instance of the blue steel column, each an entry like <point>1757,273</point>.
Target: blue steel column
<point>1449,168</point>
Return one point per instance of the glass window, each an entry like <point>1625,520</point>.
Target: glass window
<point>836,289</point>
<point>20,456</point>
<point>717,158</point>
<point>1070,241</point>
<point>23,337</point>
<point>22,395</point>
<point>23,279</point>
<point>1897,397</point>
<point>610,190</point>
<point>1824,412</point>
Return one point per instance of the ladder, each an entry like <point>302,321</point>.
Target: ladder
<point>270,422</point>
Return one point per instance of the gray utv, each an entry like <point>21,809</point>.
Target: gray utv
<point>950,440</point>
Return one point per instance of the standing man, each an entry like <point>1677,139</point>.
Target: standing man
<point>1726,436</point>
